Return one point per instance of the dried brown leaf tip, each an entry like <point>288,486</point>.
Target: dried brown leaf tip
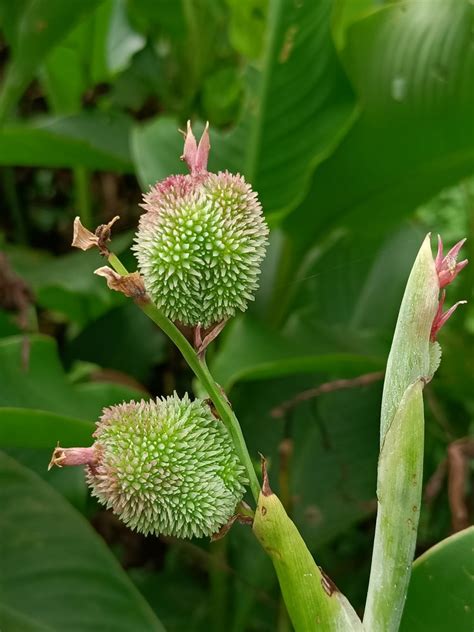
<point>266,489</point>
<point>328,585</point>
<point>84,239</point>
<point>244,515</point>
<point>129,284</point>
<point>204,336</point>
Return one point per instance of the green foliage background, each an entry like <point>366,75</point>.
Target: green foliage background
<point>354,121</point>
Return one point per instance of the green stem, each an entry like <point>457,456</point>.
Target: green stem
<point>11,198</point>
<point>83,195</point>
<point>116,264</point>
<point>219,584</point>
<point>200,370</point>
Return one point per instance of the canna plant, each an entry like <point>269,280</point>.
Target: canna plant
<point>180,467</point>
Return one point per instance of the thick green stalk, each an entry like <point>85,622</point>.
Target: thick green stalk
<point>219,585</point>
<point>83,195</point>
<point>200,370</point>
<point>13,205</point>
<point>399,489</point>
<point>312,600</point>
<point>411,363</point>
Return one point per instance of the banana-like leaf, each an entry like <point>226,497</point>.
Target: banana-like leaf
<point>411,64</point>
<point>441,592</point>
<point>34,30</point>
<point>299,105</point>
<point>57,574</point>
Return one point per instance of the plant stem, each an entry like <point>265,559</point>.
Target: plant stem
<point>219,584</point>
<point>83,195</point>
<point>200,370</point>
<point>11,197</point>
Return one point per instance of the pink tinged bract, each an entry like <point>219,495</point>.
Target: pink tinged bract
<point>441,317</point>
<point>447,267</point>
<point>196,156</point>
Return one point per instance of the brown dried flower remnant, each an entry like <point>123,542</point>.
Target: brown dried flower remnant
<point>129,284</point>
<point>85,239</point>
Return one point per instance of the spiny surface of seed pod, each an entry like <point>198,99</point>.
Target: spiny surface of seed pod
<point>201,242</point>
<point>166,467</point>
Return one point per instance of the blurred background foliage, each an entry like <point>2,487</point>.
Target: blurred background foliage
<point>353,120</point>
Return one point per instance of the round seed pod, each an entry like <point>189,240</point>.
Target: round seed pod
<point>166,467</point>
<point>200,244</point>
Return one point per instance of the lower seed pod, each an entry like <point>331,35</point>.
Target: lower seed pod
<point>164,467</point>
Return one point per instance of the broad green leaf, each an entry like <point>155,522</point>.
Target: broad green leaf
<point>122,41</point>
<point>90,139</point>
<point>43,385</point>
<point>27,428</point>
<point>63,80</point>
<point>8,326</point>
<point>67,285</point>
<point>338,431</point>
<point>247,22</point>
<point>156,148</point>
<point>10,13</point>
<point>155,16</point>
<point>440,595</point>
<point>98,47</point>
<point>56,571</point>
<point>348,295</point>
<point>131,343</point>
<point>299,105</point>
<point>412,65</point>
<point>346,12</point>
<point>221,95</point>
<point>30,436</point>
<point>253,351</point>
<point>14,621</point>
<point>40,25</point>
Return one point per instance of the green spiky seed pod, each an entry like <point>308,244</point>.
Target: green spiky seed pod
<point>166,467</point>
<point>201,242</point>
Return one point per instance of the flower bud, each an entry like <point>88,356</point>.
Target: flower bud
<point>201,242</point>
<point>166,467</point>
